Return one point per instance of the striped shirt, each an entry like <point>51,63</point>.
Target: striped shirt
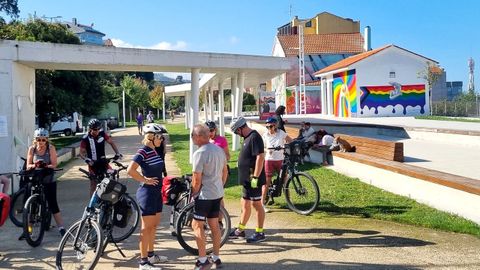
<point>151,163</point>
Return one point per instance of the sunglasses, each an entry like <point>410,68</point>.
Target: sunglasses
<point>270,126</point>
<point>94,129</point>
<point>158,136</point>
<point>40,140</point>
<point>212,130</point>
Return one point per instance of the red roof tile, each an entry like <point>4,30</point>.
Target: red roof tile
<point>323,44</point>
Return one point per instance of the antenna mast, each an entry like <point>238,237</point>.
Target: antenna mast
<point>471,82</point>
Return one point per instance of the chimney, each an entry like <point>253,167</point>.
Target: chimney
<point>74,21</point>
<point>367,39</point>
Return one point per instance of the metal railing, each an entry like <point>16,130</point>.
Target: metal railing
<point>456,108</point>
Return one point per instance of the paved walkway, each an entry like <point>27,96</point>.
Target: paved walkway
<point>294,241</point>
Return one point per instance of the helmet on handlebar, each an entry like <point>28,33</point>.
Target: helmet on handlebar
<point>153,128</point>
<point>40,132</point>
<point>94,124</point>
<point>211,124</point>
<point>271,120</point>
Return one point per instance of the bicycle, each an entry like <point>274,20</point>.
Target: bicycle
<point>36,214</point>
<point>100,171</point>
<point>182,216</point>
<point>86,240</point>
<point>19,198</point>
<point>302,193</point>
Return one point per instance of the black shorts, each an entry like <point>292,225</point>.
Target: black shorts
<point>206,209</point>
<point>252,194</point>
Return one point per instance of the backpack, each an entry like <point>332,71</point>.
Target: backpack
<point>4,207</point>
<point>171,189</point>
<point>122,211</point>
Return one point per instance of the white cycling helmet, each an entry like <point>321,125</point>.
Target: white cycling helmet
<point>237,123</point>
<point>153,128</point>
<point>40,132</point>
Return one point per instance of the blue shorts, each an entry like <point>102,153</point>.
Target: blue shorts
<point>149,199</point>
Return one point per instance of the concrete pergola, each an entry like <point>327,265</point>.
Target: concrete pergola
<point>20,59</point>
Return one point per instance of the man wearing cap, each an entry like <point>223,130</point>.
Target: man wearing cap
<point>251,176</point>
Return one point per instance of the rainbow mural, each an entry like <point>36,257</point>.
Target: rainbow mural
<point>345,93</point>
<point>395,94</point>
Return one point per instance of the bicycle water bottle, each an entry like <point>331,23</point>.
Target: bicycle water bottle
<point>93,201</point>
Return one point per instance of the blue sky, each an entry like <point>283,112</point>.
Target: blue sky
<point>446,31</point>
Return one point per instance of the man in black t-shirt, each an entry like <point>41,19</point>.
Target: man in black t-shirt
<point>251,176</point>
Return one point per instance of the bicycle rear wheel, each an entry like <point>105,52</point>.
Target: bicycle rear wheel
<point>120,234</point>
<point>186,235</point>
<point>86,253</point>
<point>302,193</point>
<point>33,223</point>
<point>16,207</point>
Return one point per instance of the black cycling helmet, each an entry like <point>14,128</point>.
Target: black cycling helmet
<point>271,120</point>
<point>211,124</point>
<point>94,124</point>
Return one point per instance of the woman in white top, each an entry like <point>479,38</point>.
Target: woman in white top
<point>273,137</point>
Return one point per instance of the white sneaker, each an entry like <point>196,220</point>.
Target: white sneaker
<point>148,266</point>
<point>157,259</point>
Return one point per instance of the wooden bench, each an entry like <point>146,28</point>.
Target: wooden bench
<point>373,147</point>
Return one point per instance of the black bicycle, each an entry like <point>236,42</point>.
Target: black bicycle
<point>182,217</point>
<point>19,198</point>
<point>302,193</point>
<point>36,214</point>
<point>86,240</point>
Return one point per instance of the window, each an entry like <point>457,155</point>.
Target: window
<point>308,24</point>
<point>392,74</point>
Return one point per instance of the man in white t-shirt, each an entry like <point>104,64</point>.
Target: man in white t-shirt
<point>273,137</point>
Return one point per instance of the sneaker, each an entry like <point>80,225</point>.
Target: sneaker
<point>256,238</point>
<point>157,259</point>
<point>217,263</point>
<point>236,233</point>
<point>203,266</point>
<point>148,266</point>
<point>62,231</point>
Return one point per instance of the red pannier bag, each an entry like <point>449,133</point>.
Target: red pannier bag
<point>4,207</point>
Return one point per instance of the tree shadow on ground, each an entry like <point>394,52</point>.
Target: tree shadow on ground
<point>366,211</point>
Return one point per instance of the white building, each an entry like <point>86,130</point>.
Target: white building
<point>380,82</point>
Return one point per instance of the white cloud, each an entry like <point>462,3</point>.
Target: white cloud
<point>164,45</point>
<point>233,40</point>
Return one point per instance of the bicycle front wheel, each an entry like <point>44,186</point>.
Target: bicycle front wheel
<point>186,235</point>
<point>33,223</point>
<point>86,252</point>
<point>302,193</point>
<point>122,233</point>
<point>16,207</point>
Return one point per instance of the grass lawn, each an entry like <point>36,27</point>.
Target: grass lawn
<point>447,118</point>
<point>62,141</point>
<point>340,195</point>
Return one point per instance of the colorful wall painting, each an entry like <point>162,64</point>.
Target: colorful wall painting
<point>345,94</point>
<point>267,104</point>
<point>377,97</point>
<point>312,100</point>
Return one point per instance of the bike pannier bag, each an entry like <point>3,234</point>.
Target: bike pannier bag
<point>110,190</point>
<point>172,187</point>
<point>122,212</point>
<point>4,207</point>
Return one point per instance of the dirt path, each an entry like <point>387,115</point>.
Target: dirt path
<point>293,242</point>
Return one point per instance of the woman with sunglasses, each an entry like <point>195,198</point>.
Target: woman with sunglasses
<point>217,139</point>
<point>149,194</point>
<point>273,137</point>
<point>41,149</point>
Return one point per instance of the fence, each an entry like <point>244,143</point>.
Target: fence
<point>456,108</point>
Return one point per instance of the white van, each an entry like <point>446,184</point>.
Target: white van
<point>68,125</point>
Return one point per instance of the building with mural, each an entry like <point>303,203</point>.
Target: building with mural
<point>327,40</point>
<point>380,82</point>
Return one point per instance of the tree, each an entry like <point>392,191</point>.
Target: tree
<point>248,101</point>
<point>10,7</point>
<point>430,75</point>
<point>156,97</point>
<point>136,90</point>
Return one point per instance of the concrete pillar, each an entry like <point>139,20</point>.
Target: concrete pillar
<point>241,90</point>
<point>323,97</point>
<point>188,109</point>
<point>17,114</point>
<point>195,92</point>
<point>329,97</point>
<point>163,108</point>
<point>233,83</point>
<point>221,108</point>
<point>210,103</point>
<point>205,100</point>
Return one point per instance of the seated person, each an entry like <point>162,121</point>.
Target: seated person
<point>322,143</point>
<point>305,131</point>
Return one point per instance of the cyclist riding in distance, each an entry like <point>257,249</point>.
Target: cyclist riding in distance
<point>92,147</point>
<point>43,150</point>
